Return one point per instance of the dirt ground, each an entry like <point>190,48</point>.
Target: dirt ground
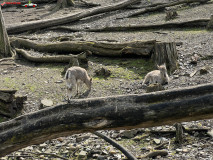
<point>40,81</point>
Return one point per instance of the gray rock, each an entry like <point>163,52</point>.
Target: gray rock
<point>157,141</point>
<point>82,155</point>
<point>46,103</point>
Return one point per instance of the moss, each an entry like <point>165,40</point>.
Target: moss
<point>31,87</point>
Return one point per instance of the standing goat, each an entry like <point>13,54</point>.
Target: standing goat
<point>157,76</point>
<point>75,74</point>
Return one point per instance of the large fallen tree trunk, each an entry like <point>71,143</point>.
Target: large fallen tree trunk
<point>18,28</point>
<point>163,6</point>
<point>117,112</point>
<point>143,48</point>
<point>168,25</point>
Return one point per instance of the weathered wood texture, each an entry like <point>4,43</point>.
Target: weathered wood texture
<point>5,50</point>
<point>9,104</point>
<point>210,24</point>
<point>18,28</point>
<point>51,59</point>
<point>166,53</point>
<point>117,112</point>
<point>168,25</point>
<point>143,48</point>
<point>163,6</point>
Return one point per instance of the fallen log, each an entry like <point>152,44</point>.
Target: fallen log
<point>117,112</point>
<point>168,25</point>
<point>142,48</point>
<point>50,59</point>
<point>41,24</point>
<point>163,6</point>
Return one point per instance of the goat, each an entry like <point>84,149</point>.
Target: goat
<point>75,74</point>
<point>157,76</point>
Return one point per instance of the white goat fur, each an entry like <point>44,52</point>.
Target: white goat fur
<point>157,76</point>
<point>75,74</point>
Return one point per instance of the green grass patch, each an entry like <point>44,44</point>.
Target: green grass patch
<point>10,83</point>
<point>31,87</point>
<point>124,68</point>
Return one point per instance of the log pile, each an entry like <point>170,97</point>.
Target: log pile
<point>10,104</point>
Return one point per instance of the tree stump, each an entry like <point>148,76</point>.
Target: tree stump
<point>5,49</point>
<point>210,24</point>
<point>10,104</point>
<point>165,52</point>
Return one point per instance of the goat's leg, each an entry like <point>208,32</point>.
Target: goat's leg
<point>69,93</point>
<point>77,87</point>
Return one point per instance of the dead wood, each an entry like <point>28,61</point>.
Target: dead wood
<point>18,28</point>
<point>49,59</point>
<point>117,112</point>
<point>168,25</point>
<point>5,49</point>
<point>156,153</point>
<point>141,48</point>
<point>207,57</point>
<point>166,53</point>
<point>10,104</point>
<point>210,24</point>
<point>116,145</point>
<point>186,130</point>
<point>179,133</point>
<point>60,4</point>
<point>87,4</point>
<point>163,6</point>
<point>161,146</point>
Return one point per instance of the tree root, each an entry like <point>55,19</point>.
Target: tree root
<point>116,145</point>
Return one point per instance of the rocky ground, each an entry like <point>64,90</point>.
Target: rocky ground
<point>37,81</point>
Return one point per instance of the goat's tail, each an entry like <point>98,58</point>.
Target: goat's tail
<point>66,74</point>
